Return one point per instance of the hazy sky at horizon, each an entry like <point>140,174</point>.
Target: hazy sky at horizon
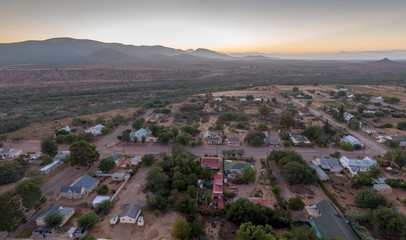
<point>269,26</point>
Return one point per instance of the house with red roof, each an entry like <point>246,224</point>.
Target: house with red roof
<point>264,203</point>
<point>217,195</point>
<point>211,162</point>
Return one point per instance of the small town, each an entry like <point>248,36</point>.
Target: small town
<point>315,161</point>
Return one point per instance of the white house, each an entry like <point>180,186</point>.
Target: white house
<point>352,140</point>
<point>96,130</point>
<point>348,116</point>
<point>130,214</point>
<point>218,99</point>
<point>357,165</point>
<point>243,100</point>
<point>99,199</point>
<point>11,153</point>
<point>135,160</point>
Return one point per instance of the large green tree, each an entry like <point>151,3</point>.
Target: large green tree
<point>398,156</point>
<point>248,175</point>
<point>156,179</point>
<point>10,171</point>
<point>88,221</point>
<point>181,229</point>
<point>32,197</point>
<point>389,222</point>
<point>247,231</point>
<point>83,153</point>
<point>353,124</point>
<point>106,164</point>
<point>255,138</point>
<point>49,146</point>
<point>369,198</point>
<point>53,219</point>
<point>12,215</point>
<point>296,173</point>
<point>138,123</point>
<point>286,120</point>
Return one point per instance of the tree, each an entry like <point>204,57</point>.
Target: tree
<point>103,189</point>
<point>388,221</point>
<point>286,120</point>
<point>138,123</point>
<point>317,134</point>
<point>148,159</point>
<point>295,204</point>
<point>183,139</point>
<point>187,205</point>
<point>12,214</point>
<point>361,179</point>
<point>353,124</point>
<point>156,179</point>
<point>103,207</point>
<point>276,189</point>
<point>401,125</point>
<point>192,130</point>
<point>181,229</point>
<point>10,171</point>
<point>369,198</point>
<point>247,231</point>
<point>49,146</point>
<point>125,136</point>
<point>255,138</point>
<point>340,115</point>
<point>157,203</point>
<point>240,152</point>
<point>398,156</point>
<point>175,131</point>
<point>262,127</point>
<point>296,173</point>
<point>392,143</point>
<point>374,171</point>
<point>361,108</point>
<point>53,219</point>
<point>83,153</point>
<point>177,149</point>
<point>32,197</point>
<point>301,233</point>
<point>347,146</point>
<point>248,174</point>
<point>263,110</point>
<point>88,221</point>
<point>106,164</point>
<point>336,154</point>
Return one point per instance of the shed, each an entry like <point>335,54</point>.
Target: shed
<point>135,160</point>
<point>383,188</point>
<point>118,176</point>
<point>130,213</point>
<point>99,199</point>
<point>114,220</point>
<point>320,173</point>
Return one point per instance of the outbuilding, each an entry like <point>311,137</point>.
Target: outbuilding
<point>130,214</point>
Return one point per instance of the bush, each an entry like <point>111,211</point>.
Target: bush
<point>88,221</point>
<point>295,204</point>
<point>103,207</point>
<point>369,198</point>
<point>347,146</point>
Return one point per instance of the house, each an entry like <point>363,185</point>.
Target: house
<point>383,188</point>
<point>231,166</point>
<point>214,141</point>
<point>330,164</point>
<point>320,173</point>
<point>217,194</point>
<point>118,176</point>
<point>401,139</point>
<point>208,134</point>
<point>50,167</point>
<point>67,128</point>
<point>142,132</point>
<point>98,199</point>
<point>348,116</point>
<point>264,203</point>
<point>65,212</point>
<point>77,232</point>
<point>11,153</point>
<point>44,231</point>
<point>272,142</point>
<point>297,137</point>
<point>257,100</point>
<point>130,214</point>
<point>368,131</point>
<point>116,158</point>
<point>135,160</point>
<point>96,130</point>
<point>61,155</point>
<point>151,139</point>
<point>35,156</point>
<point>233,141</point>
<point>299,114</point>
<point>243,100</point>
<point>218,99</point>
<point>350,96</point>
<point>372,108</point>
<point>357,165</point>
<point>158,115</point>
<point>80,188</point>
<point>211,162</point>
<point>328,222</point>
<point>352,140</point>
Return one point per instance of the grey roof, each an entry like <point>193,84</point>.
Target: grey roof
<point>131,210</point>
<point>61,155</point>
<point>331,224</point>
<point>361,163</point>
<point>330,163</point>
<point>319,171</point>
<point>299,138</point>
<point>64,211</point>
<point>351,140</point>
<point>233,140</point>
<point>70,188</point>
<point>118,174</point>
<point>272,141</point>
<point>86,182</point>
<point>399,138</point>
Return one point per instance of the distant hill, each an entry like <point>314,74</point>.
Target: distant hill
<point>60,51</point>
<point>385,62</point>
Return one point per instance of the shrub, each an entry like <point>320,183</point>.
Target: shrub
<point>295,204</point>
<point>103,189</point>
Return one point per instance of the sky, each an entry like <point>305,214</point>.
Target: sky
<point>267,26</point>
